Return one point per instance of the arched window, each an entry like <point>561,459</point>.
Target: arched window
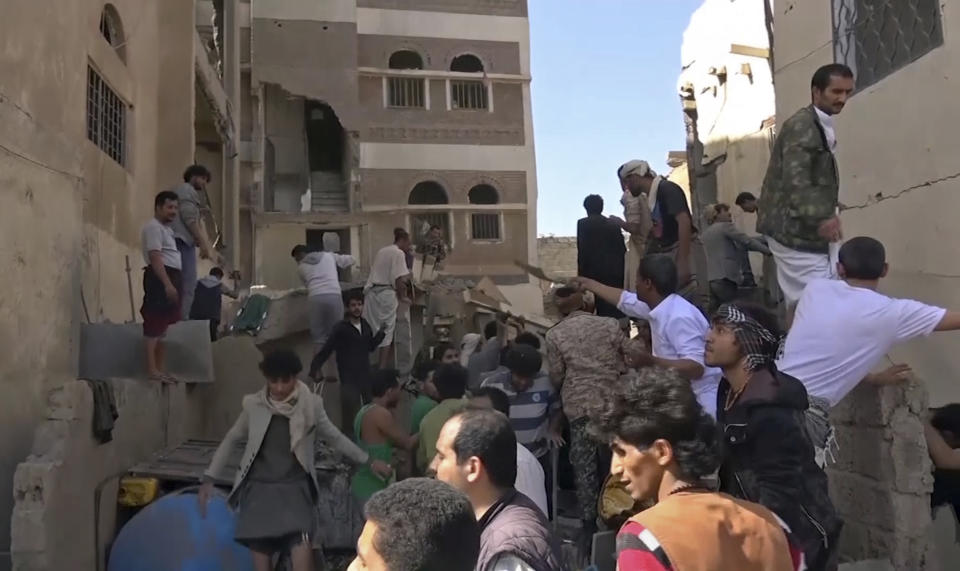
<point>483,194</point>
<point>405,59</point>
<point>466,63</point>
<point>467,93</point>
<point>111,28</point>
<point>404,91</point>
<point>428,192</point>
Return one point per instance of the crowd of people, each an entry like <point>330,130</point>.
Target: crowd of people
<point>717,412</point>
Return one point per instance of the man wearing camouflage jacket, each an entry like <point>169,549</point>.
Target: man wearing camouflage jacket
<point>799,201</point>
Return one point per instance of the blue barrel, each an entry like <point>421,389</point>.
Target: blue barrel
<point>170,535</point>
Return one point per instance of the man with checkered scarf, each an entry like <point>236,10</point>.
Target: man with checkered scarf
<point>768,458</point>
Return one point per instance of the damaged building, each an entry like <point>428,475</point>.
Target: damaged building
<point>364,115</point>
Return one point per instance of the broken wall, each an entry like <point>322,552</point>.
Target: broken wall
<point>53,525</point>
<point>882,479</point>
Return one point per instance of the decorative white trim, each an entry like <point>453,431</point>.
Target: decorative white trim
<point>442,74</point>
<point>510,206</point>
<point>439,157</point>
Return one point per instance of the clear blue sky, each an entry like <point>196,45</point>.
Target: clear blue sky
<point>604,92</point>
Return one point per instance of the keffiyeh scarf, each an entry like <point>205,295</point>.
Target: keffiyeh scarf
<point>759,344</point>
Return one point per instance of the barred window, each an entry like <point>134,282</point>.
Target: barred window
<point>485,226</point>
<point>106,118</point>
<point>875,38</point>
<point>409,92</point>
<point>468,94</point>
<point>406,92</point>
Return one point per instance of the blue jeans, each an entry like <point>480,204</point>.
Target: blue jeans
<point>188,269</point>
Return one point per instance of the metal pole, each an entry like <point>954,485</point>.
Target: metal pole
<point>133,314</point>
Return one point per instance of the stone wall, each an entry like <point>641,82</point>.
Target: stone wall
<point>881,482</point>
<point>558,258</point>
<point>54,524</point>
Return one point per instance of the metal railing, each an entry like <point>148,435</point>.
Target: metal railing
<point>485,226</point>
<point>406,92</point>
<point>468,94</point>
<point>878,37</point>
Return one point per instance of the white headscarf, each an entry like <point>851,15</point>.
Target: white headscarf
<point>468,346</point>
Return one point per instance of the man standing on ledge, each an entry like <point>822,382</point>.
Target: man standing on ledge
<point>798,209</point>
<point>672,232</point>
<point>600,251</point>
<point>162,286</point>
<point>386,288</point>
<point>188,231</point>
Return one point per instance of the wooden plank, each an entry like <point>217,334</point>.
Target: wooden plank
<point>749,51</point>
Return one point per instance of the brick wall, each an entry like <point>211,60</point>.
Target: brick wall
<point>881,482</point>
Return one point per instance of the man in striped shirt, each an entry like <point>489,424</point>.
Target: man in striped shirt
<point>534,406</point>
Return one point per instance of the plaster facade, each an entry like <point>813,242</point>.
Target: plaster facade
<point>329,149</point>
<point>74,213</point>
<point>898,181</point>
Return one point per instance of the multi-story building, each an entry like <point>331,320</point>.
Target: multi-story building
<point>102,105</point>
<point>365,115</point>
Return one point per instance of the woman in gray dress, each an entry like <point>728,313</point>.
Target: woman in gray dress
<point>275,488</point>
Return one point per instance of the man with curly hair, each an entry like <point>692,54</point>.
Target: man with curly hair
<point>665,447</point>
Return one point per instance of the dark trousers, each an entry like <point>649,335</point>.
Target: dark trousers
<point>746,271</point>
<point>591,464</point>
<point>721,292</point>
<point>547,465</point>
<point>351,400</point>
<point>214,328</point>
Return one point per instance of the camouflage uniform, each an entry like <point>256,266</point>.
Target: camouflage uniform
<point>801,187</point>
<point>585,356</point>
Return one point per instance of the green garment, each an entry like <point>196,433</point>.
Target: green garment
<point>419,409</point>
<point>365,482</point>
<point>430,430</point>
<point>801,187</point>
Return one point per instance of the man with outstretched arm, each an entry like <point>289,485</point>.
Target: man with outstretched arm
<point>679,328</point>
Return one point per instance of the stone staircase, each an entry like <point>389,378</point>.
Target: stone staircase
<point>328,192</point>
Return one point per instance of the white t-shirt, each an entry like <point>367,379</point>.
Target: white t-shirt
<point>158,237</point>
<point>530,478</point>
<point>318,270</point>
<point>679,331</point>
<point>841,332</point>
<point>389,264</point>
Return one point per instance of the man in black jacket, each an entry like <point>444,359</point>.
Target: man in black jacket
<point>353,340</point>
<point>600,251</point>
<point>477,454</point>
<point>767,456</point>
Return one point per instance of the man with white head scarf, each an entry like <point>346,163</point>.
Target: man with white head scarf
<point>672,231</point>
<point>637,221</point>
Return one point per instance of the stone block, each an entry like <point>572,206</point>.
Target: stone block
<point>865,451</point>
<point>872,565</point>
<point>861,542</point>
<point>863,500</point>
<point>66,401</point>
<point>31,483</point>
<point>916,554</point>
<point>866,406</point>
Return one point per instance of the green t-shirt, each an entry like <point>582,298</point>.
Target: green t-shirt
<point>419,409</point>
<point>430,430</point>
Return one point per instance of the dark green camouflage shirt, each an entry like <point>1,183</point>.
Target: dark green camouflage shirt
<point>801,187</point>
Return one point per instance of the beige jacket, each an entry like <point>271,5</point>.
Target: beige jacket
<point>252,427</point>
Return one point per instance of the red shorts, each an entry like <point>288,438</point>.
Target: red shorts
<point>157,311</point>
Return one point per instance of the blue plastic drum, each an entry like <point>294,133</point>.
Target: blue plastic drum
<point>170,535</point>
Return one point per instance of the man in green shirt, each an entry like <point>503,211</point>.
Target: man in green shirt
<point>451,383</point>
<point>443,353</point>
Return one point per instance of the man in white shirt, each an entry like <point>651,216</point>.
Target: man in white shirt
<point>678,327</point>
<point>799,202</point>
<point>843,329</point>
<point>386,288</point>
<point>318,270</point>
<point>162,284</point>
